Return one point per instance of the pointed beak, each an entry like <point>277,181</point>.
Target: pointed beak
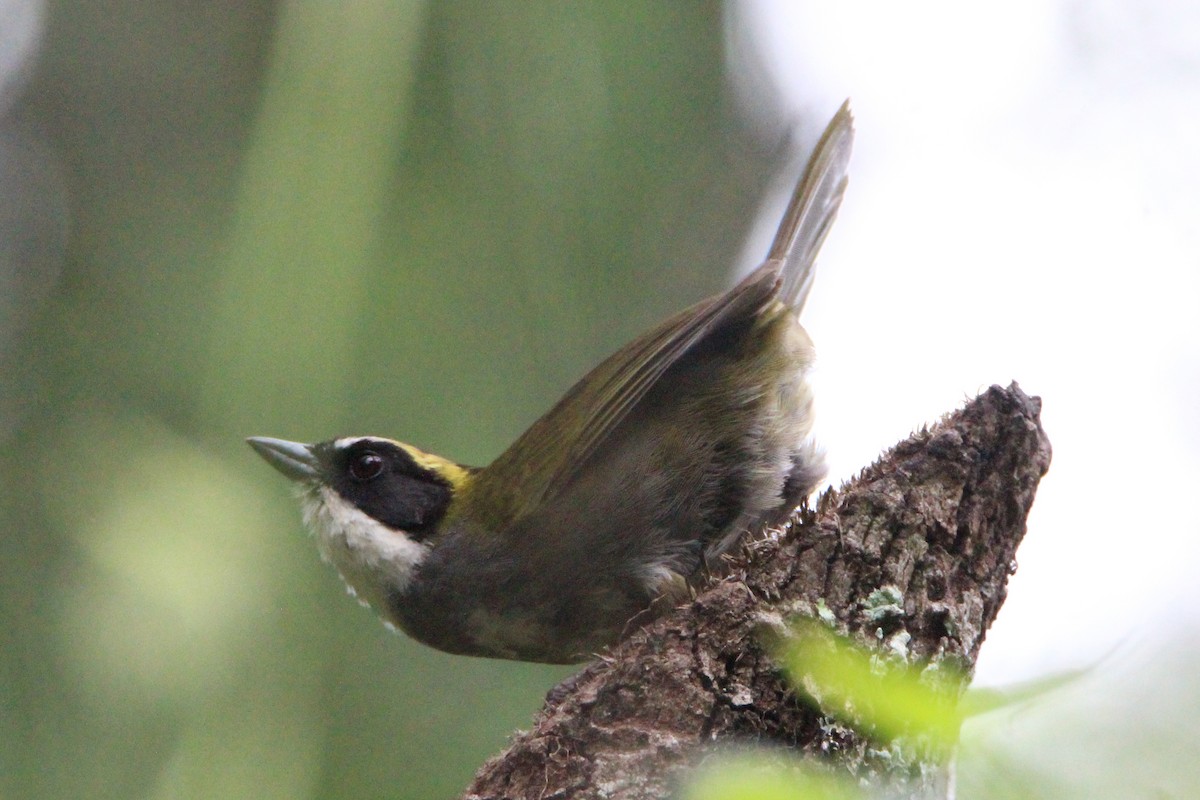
<point>293,459</point>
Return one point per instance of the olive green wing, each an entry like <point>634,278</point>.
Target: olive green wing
<point>546,457</point>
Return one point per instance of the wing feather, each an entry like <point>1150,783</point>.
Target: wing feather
<point>543,459</point>
<point>548,455</point>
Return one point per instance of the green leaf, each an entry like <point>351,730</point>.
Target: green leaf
<point>765,776</point>
<point>885,696</point>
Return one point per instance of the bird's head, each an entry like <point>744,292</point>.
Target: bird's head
<point>374,504</point>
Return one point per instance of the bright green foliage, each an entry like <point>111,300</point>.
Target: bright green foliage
<point>1115,730</point>
<point>768,776</point>
<point>862,689</point>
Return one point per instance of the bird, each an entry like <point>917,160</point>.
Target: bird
<point>618,501</point>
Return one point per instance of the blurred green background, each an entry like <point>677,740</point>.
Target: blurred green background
<point>302,220</point>
<point>305,220</point>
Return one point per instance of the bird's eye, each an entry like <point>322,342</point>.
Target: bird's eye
<point>366,466</point>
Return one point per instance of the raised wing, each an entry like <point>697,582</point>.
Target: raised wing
<point>547,456</point>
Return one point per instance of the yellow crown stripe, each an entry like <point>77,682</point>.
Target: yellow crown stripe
<point>455,474</point>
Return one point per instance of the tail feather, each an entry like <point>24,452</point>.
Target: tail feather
<point>813,207</point>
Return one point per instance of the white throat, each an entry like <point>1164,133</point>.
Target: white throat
<point>374,560</point>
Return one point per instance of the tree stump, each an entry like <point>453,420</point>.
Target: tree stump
<point>916,551</point>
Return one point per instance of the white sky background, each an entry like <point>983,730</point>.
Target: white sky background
<point>1024,203</point>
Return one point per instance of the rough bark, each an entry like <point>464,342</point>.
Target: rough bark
<point>920,544</point>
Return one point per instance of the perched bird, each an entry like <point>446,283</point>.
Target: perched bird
<point>651,467</point>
